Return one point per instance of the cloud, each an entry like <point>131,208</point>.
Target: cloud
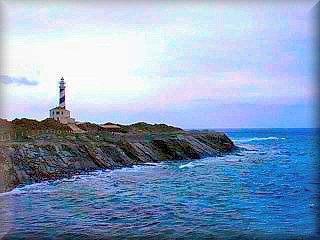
<point>182,58</point>
<point>17,80</point>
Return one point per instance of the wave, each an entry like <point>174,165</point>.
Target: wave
<point>258,139</point>
<point>247,147</point>
<point>43,187</point>
<point>138,167</point>
<point>49,185</point>
<point>190,164</point>
<point>153,164</point>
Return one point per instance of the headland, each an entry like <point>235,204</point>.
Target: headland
<point>33,151</point>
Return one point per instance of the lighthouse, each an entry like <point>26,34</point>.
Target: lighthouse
<point>60,113</point>
<point>62,99</point>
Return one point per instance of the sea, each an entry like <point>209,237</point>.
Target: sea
<point>267,189</point>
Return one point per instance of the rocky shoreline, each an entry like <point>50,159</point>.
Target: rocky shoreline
<point>54,157</point>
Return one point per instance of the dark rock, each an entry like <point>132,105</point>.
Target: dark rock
<point>29,162</point>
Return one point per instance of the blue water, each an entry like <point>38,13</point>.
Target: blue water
<point>267,190</point>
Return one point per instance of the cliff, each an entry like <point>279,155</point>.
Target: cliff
<point>49,157</point>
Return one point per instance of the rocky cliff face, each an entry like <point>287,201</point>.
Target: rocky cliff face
<point>38,160</point>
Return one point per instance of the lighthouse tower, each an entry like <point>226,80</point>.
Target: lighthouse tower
<point>60,113</point>
<point>62,99</point>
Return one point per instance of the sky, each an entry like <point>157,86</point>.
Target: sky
<point>205,64</point>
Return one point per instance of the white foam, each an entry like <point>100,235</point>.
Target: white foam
<point>257,139</point>
<point>155,164</point>
<point>15,191</point>
<point>48,186</point>
<point>133,168</point>
<point>247,147</point>
<point>190,164</point>
<point>42,187</point>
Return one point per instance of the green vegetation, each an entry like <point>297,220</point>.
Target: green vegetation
<point>21,130</point>
<point>30,124</point>
<point>145,127</point>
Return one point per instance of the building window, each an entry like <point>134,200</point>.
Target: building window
<point>58,113</point>
<point>61,113</point>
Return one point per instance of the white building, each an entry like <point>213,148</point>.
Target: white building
<point>60,113</point>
